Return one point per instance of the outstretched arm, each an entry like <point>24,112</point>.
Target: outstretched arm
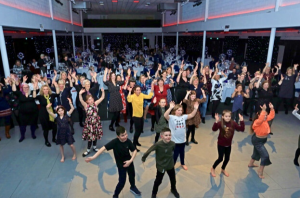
<point>97,102</point>
<point>87,160</point>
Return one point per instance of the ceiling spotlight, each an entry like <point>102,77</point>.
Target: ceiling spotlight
<point>147,4</point>
<point>173,12</point>
<point>101,3</point>
<point>197,3</point>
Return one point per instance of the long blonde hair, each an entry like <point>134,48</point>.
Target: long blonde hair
<point>42,92</point>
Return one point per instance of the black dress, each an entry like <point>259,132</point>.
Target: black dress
<point>181,89</point>
<point>28,110</point>
<point>43,114</point>
<point>264,97</point>
<point>64,134</point>
<point>115,99</point>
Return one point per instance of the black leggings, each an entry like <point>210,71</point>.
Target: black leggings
<point>191,130</point>
<point>223,150</point>
<point>80,113</point>
<point>115,118</point>
<point>54,131</point>
<point>138,126</point>
<point>159,178</point>
<point>90,144</point>
<point>214,107</point>
<point>153,119</point>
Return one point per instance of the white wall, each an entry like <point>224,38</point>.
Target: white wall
<point>61,12</point>
<point>76,18</point>
<point>170,19</point>
<point>188,12</point>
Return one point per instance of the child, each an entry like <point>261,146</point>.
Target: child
<point>92,127</point>
<point>178,128</point>
<point>196,120</point>
<point>261,130</point>
<point>238,97</point>
<point>227,128</point>
<point>64,134</point>
<point>160,120</point>
<point>298,150</point>
<point>164,161</point>
<point>121,146</point>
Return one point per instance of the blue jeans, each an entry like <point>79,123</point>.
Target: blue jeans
<point>203,106</point>
<point>260,151</point>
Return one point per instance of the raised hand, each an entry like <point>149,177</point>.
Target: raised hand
<point>172,104</point>
<point>25,78</point>
<point>247,91</point>
<point>81,91</point>
<point>196,63</point>
<point>188,92</point>
<point>55,72</point>
<point>69,77</point>
<point>241,117</point>
<point>70,101</point>
<point>129,89</point>
<point>271,106</point>
<point>264,107</point>
<point>102,90</point>
<point>154,100</point>
<point>279,65</point>
<point>216,64</point>
<point>217,117</point>
<point>196,105</point>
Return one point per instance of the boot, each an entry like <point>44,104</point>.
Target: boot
<point>7,128</point>
<point>32,128</point>
<point>22,131</point>
<point>297,154</point>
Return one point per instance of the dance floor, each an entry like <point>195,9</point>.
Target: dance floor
<point>32,170</point>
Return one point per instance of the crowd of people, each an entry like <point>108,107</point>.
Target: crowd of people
<point>177,104</point>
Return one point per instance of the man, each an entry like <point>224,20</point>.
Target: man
<point>233,75</point>
<point>67,62</point>
<point>42,65</point>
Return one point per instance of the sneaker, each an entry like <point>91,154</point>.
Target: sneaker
<point>85,153</point>
<point>135,191</point>
<point>175,193</point>
<point>153,196</point>
<point>271,133</point>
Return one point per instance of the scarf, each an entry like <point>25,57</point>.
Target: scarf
<point>51,110</point>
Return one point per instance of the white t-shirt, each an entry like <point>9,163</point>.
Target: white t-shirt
<point>178,128</point>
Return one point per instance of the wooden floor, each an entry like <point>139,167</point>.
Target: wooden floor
<point>32,170</point>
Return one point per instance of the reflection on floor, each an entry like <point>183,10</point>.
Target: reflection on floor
<point>30,169</point>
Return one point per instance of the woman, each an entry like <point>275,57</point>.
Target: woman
<point>5,110</point>
<point>208,74</point>
<point>137,101</point>
<point>47,121</point>
<point>167,80</point>
<point>265,96</point>
<point>78,87</point>
<point>27,106</point>
<point>145,84</point>
<point>115,99</point>
<point>286,90</point>
<point>260,129</point>
<point>122,88</point>
<point>182,86</point>
<point>65,77</point>
<point>216,91</point>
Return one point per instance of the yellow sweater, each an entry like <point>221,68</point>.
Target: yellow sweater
<point>137,103</point>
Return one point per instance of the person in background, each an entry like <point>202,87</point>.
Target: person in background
<point>67,62</point>
<point>42,65</point>
<point>233,75</point>
<point>5,110</point>
<point>18,68</point>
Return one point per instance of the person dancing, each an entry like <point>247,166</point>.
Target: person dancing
<point>92,127</point>
<point>260,129</point>
<point>226,127</point>
<point>297,153</point>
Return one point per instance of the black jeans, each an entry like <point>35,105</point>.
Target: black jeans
<point>80,113</point>
<point>222,150</point>
<point>235,115</point>
<point>214,107</point>
<point>53,126</point>
<point>122,178</point>
<point>153,119</point>
<point>157,137</point>
<point>179,150</point>
<point>115,118</point>
<point>138,126</point>
<point>252,107</point>
<point>159,178</point>
<point>191,130</point>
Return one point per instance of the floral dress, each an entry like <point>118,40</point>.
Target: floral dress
<point>123,98</point>
<point>92,129</point>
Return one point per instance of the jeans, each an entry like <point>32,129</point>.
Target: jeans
<point>122,178</point>
<point>159,178</point>
<point>260,151</point>
<point>235,115</point>
<point>179,150</point>
<point>223,150</point>
<point>203,106</point>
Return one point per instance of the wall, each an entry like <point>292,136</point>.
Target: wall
<point>170,19</point>
<point>76,18</point>
<point>189,13</point>
<point>61,12</point>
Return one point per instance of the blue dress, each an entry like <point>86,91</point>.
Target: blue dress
<point>64,134</point>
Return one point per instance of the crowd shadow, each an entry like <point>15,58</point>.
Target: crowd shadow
<point>244,142</point>
<point>216,189</point>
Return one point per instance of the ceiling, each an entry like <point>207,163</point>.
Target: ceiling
<point>125,7</point>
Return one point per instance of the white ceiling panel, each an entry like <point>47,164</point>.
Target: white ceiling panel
<point>126,7</point>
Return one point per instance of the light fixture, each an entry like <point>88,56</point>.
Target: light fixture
<point>197,3</point>
<point>101,3</point>
<point>147,4</point>
<point>114,1</point>
<point>136,1</point>
<point>173,12</point>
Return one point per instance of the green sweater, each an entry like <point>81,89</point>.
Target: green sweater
<point>164,155</point>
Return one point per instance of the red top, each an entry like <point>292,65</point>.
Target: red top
<point>226,141</point>
<point>158,94</point>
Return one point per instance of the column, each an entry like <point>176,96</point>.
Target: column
<point>82,41</point>
<point>55,48</point>
<point>203,47</point>
<point>71,12</point>
<point>178,13</point>
<point>4,53</point>
<point>177,33</point>
<point>73,39</point>
<point>271,45</point>
<point>87,41</point>
<point>51,9</point>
